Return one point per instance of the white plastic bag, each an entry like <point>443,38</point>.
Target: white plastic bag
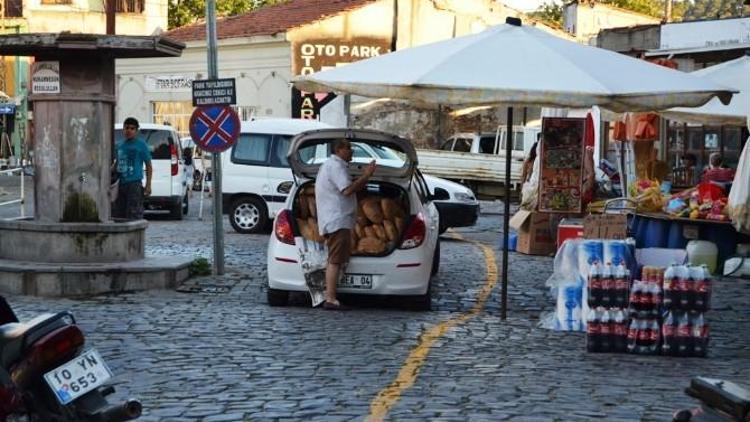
<point>738,206</point>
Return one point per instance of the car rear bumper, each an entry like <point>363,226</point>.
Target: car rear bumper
<point>458,215</point>
<point>404,272</point>
<point>161,202</point>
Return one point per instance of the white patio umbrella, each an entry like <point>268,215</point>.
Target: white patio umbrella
<point>516,65</point>
<point>734,74</point>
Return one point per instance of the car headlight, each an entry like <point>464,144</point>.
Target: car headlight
<point>464,197</point>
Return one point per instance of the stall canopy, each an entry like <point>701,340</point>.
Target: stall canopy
<point>733,74</point>
<point>516,65</point>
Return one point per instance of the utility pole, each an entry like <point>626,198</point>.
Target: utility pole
<point>213,73</point>
<point>111,7</point>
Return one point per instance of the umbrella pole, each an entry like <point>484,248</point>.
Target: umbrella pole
<point>506,214</point>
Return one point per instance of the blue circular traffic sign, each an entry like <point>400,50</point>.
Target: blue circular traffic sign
<point>214,128</point>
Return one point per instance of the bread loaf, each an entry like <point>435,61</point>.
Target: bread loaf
<point>313,224</point>
<point>380,231</point>
<point>391,231</point>
<point>370,232</point>
<point>371,245</point>
<point>391,209</point>
<point>400,224</point>
<point>302,207</point>
<point>371,208</point>
<point>312,206</point>
<point>359,229</point>
<point>305,229</point>
<point>309,190</point>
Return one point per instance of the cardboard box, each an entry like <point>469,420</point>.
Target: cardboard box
<point>605,226</point>
<point>569,228</point>
<point>534,234</point>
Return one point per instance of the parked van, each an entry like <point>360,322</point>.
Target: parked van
<point>256,177</point>
<point>168,182</point>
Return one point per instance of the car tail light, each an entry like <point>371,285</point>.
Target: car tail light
<point>47,353</point>
<point>415,233</point>
<point>175,162</point>
<point>283,227</point>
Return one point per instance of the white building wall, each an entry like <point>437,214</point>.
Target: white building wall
<point>585,21</point>
<point>87,16</point>
<point>261,67</point>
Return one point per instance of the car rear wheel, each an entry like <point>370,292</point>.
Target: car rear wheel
<point>277,297</point>
<point>176,212</point>
<point>185,204</point>
<point>421,302</point>
<point>248,215</point>
<point>436,259</point>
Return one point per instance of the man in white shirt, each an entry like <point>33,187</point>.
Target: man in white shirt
<point>337,205</point>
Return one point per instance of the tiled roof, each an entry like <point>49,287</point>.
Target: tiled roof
<point>268,20</point>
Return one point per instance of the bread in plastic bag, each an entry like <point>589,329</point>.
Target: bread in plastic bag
<point>371,245</point>
<point>391,232</point>
<point>391,209</point>
<point>371,208</point>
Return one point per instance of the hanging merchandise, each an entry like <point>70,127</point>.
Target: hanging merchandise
<point>738,206</point>
<point>562,165</point>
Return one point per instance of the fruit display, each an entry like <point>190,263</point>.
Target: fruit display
<point>706,201</point>
<point>379,224</point>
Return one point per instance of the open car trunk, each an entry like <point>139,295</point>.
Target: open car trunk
<point>382,216</point>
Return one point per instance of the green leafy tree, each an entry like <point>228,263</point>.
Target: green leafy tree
<point>550,13</point>
<point>716,9</point>
<point>185,12</point>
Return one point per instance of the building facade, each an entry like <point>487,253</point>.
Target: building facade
<point>264,49</point>
<point>584,19</point>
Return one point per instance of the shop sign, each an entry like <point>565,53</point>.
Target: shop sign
<point>168,83</point>
<point>213,92</point>
<point>45,78</point>
<point>312,56</point>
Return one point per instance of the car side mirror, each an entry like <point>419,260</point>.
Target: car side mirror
<point>440,195</point>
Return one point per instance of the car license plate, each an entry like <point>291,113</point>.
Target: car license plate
<point>356,281</point>
<point>79,376</point>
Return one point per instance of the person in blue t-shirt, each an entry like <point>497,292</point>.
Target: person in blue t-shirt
<point>132,154</point>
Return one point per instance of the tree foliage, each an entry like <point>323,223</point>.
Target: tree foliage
<point>716,9</point>
<point>550,13</point>
<point>185,12</point>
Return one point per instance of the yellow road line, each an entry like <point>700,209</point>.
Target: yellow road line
<point>389,396</point>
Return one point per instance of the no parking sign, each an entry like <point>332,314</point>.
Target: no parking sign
<point>214,128</point>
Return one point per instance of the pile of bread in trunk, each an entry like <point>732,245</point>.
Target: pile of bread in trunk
<point>378,228</point>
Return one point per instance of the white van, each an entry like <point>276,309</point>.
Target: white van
<point>256,177</point>
<point>168,183</point>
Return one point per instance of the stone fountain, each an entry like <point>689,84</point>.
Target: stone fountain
<point>72,246</point>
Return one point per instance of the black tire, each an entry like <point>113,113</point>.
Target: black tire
<point>248,215</point>
<point>277,297</point>
<point>421,302</point>
<point>185,204</point>
<point>436,259</point>
<point>176,212</point>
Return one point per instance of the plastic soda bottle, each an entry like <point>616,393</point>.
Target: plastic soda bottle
<point>684,336</point>
<point>607,285</point>
<point>594,285</point>
<point>668,334</point>
<point>682,287</point>
<point>668,285</point>
<point>605,331</point>
<point>700,336</point>
<point>620,335</point>
<point>592,331</point>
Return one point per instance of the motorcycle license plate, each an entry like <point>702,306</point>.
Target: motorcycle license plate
<point>79,376</point>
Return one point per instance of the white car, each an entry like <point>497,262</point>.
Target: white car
<point>409,260</point>
<point>168,182</point>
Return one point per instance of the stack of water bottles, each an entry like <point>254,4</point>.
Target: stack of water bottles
<point>687,296</point>
<point>607,320</point>
<point>644,333</point>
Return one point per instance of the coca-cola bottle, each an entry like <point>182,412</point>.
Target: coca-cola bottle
<point>703,290</point>
<point>635,298</point>
<point>684,335</point>
<point>700,336</point>
<point>668,331</point>
<point>654,336</point>
<point>696,275</point>
<point>681,288</point>
<point>668,285</point>
<point>633,336</point>
<point>607,284</point>
<point>592,331</point>
<point>605,331</point>
<point>620,334</point>
<point>656,298</point>
<point>621,287</point>
<point>644,337</point>
<point>595,285</point>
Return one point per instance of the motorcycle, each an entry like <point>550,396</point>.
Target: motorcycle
<point>720,401</point>
<point>46,373</point>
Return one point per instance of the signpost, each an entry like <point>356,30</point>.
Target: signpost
<point>214,129</point>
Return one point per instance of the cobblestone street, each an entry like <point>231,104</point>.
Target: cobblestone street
<point>216,351</point>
